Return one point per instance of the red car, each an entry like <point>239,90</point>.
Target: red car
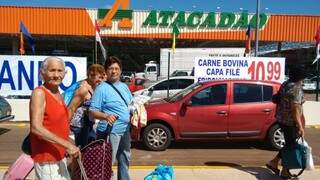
<point>215,110</point>
<point>136,84</point>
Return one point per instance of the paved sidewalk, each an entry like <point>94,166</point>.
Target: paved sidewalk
<point>205,173</point>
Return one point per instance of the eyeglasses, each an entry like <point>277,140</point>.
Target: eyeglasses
<point>113,69</point>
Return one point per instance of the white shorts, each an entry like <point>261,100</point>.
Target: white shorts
<point>56,171</point>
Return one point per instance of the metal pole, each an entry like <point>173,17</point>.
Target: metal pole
<point>317,90</point>
<point>257,28</point>
<point>95,50</point>
<point>168,74</point>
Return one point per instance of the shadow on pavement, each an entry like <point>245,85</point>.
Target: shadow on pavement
<point>211,145</point>
<point>260,173</point>
<point>216,163</point>
<point>4,130</point>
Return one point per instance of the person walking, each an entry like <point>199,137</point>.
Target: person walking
<point>81,123</point>
<point>49,124</point>
<point>110,104</point>
<point>289,114</point>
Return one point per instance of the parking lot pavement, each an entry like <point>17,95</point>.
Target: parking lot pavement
<point>205,172</point>
<point>239,171</point>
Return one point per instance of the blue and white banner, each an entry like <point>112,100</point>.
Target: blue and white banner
<point>254,68</point>
<point>19,75</point>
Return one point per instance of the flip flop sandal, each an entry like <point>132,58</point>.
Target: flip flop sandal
<point>285,177</point>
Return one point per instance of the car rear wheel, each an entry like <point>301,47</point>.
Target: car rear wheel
<point>276,138</point>
<point>156,137</point>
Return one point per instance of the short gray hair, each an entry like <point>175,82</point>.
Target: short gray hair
<point>44,64</point>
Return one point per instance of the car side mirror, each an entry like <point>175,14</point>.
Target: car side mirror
<point>184,107</point>
<point>187,103</point>
<point>151,89</point>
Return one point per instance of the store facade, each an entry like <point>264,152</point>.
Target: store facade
<point>137,36</point>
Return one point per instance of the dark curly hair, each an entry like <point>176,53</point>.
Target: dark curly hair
<point>297,73</point>
<point>111,60</point>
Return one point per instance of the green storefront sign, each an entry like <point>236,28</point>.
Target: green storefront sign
<point>195,19</point>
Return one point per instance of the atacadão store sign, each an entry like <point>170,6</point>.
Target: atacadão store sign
<point>189,20</point>
<point>202,20</point>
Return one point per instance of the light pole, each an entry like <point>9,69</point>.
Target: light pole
<point>257,28</point>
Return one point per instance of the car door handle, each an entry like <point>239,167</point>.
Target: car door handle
<point>222,112</point>
<point>266,110</point>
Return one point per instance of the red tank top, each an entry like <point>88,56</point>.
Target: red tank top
<point>56,121</point>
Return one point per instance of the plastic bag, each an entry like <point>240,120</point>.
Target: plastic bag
<point>309,161</point>
<point>143,116</point>
<point>69,93</point>
<point>138,111</point>
<point>161,172</point>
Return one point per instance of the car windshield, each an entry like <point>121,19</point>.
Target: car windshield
<point>307,81</point>
<point>179,95</point>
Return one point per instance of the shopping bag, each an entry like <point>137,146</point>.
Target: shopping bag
<point>309,161</point>
<point>161,172</point>
<point>96,159</point>
<point>294,157</point>
<point>20,168</point>
<point>26,145</point>
<point>83,171</point>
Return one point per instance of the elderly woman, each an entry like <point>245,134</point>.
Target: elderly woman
<point>290,115</point>
<point>49,124</point>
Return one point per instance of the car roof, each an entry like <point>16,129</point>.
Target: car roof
<point>182,71</point>
<point>242,81</point>
<point>180,77</point>
<point>174,77</point>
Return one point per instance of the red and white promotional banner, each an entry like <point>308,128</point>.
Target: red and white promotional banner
<point>255,68</point>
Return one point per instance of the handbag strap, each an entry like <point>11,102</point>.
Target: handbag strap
<point>108,132</point>
<point>295,175</point>
<point>298,138</point>
<point>117,92</point>
<point>83,171</point>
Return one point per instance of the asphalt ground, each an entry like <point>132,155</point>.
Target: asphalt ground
<point>191,160</point>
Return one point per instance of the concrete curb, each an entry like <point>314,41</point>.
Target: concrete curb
<point>181,167</point>
<point>313,126</point>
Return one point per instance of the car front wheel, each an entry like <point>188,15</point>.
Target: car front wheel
<point>276,137</point>
<point>156,137</point>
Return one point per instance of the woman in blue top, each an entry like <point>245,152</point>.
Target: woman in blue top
<point>112,109</point>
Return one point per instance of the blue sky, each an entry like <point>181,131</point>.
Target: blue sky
<point>303,7</point>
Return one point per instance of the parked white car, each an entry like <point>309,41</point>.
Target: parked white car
<point>310,84</point>
<point>159,89</point>
<point>181,73</point>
